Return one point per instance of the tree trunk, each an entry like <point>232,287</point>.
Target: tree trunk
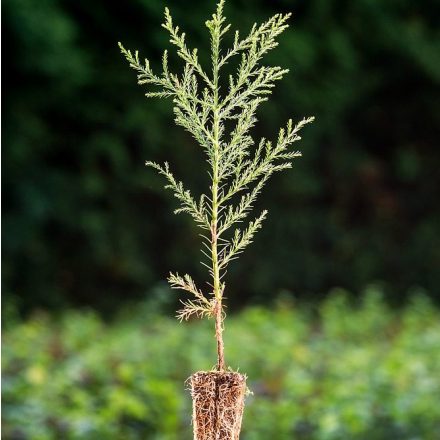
<point>218,404</point>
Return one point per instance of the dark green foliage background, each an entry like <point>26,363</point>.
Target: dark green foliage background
<point>85,223</point>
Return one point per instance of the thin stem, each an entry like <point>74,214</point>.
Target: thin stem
<point>218,294</point>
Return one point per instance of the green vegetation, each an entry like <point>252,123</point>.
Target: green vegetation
<point>341,371</point>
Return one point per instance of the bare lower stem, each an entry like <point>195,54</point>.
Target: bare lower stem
<point>219,337</point>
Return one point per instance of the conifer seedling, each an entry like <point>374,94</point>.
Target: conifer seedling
<point>205,103</point>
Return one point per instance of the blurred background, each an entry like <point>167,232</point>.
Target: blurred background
<point>346,268</point>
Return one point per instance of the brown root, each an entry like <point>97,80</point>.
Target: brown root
<point>218,404</point>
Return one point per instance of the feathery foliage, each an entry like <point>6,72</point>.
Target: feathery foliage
<point>238,165</point>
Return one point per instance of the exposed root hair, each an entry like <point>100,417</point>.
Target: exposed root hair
<point>218,404</point>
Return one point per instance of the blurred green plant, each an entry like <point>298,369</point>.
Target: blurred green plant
<point>346,370</point>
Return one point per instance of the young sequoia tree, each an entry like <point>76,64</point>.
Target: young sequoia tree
<point>204,104</point>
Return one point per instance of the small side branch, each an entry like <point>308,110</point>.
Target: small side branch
<point>240,240</point>
<point>199,307</point>
<point>196,210</point>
